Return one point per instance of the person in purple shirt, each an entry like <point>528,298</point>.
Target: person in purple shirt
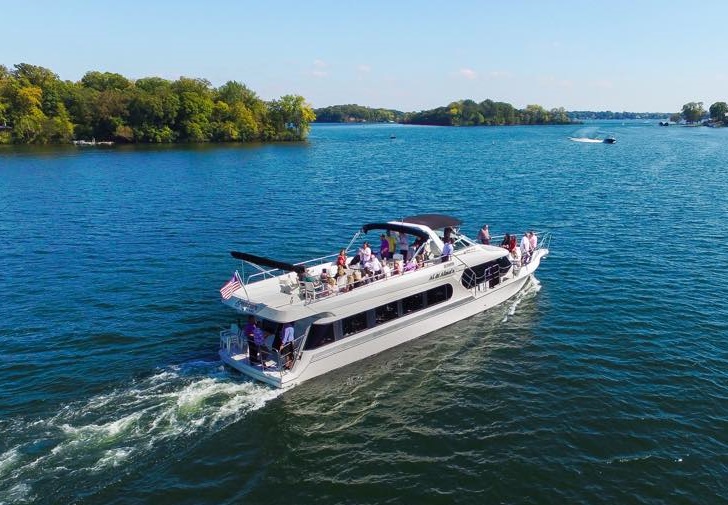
<point>250,331</point>
<point>384,247</point>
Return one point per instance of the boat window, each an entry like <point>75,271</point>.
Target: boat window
<point>387,312</point>
<point>413,303</point>
<point>354,324</point>
<point>485,271</point>
<point>320,334</point>
<point>439,294</point>
<point>505,264</point>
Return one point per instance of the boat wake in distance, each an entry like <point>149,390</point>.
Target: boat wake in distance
<point>586,140</point>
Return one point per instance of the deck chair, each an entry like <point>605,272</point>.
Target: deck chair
<point>313,290</point>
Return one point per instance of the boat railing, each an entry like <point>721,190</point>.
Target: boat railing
<point>275,272</point>
<point>312,291</point>
<point>494,275</point>
<point>271,360</point>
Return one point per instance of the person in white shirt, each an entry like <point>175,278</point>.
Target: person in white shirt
<point>533,240</point>
<point>525,248</point>
<point>374,266</point>
<point>365,254</point>
<point>286,349</point>
<point>447,250</point>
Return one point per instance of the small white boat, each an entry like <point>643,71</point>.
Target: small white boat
<point>361,313</point>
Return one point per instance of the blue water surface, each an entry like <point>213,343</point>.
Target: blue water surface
<point>605,382</point>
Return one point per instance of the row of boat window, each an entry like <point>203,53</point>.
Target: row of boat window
<point>322,334</point>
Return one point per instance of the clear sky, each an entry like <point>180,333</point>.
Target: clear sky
<point>638,56</point>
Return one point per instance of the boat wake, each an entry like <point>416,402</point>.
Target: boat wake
<point>110,430</point>
<point>586,140</point>
<point>529,290</point>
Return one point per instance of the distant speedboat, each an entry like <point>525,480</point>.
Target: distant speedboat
<point>610,140</point>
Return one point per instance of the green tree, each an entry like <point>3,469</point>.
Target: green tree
<point>718,111</point>
<point>693,111</point>
<point>104,81</point>
<point>291,117</point>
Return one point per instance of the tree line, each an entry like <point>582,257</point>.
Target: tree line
<point>38,107</point>
<point>460,113</point>
<point>693,112</point>
<point>353,113</point>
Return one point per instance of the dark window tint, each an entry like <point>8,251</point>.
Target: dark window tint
<point>353,324</point>
<point>320,334</point>
<point>413,303</point>
<point>386,313</point>
<point>439,294</point>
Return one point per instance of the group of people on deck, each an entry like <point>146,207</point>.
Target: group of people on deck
<point>520,255</point>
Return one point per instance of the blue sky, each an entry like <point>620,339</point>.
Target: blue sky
<point>639,56</point>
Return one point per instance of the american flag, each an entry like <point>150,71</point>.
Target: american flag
<point>232,285</point>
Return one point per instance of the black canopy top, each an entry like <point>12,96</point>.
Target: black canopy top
<point>398,227</point>
<point>267,262</point>
<point>434,221</point>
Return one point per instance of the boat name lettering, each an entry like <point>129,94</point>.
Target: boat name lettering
<point>246,306</point>
<point>449,271</point>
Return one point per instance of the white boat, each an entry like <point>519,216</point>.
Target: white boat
<point>338,323</point>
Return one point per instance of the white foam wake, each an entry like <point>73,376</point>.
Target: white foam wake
<point>586,140</point>
<point>111,429</point>
<point>532,287</point>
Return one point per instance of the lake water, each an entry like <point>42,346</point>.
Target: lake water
<point>605,383</point>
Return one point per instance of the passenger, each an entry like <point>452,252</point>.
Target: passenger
<point>375,267</point>
<point>249,332</point>
<point>513,243</point>
<point>309,277</point>
<point>525,249</point>
<point>340,271</point>
<point>331,286</point>
<point>420,261</point>
<point>259,339</point>
<point>357,279</point>
<point>448,234</point>
<point>341,259</point>
<point>506,243</point>
<point>515,257</point>
<point>427,251</point>
<point>410,266</point>
<point>325,276</point>
<point>365,253</point>
<point>447,250</point>
<point>286,350</point>
<point>534,241</point>
<point>392,244</point>
<point>386,269</point>
<point>397,269</point>
<point>414,247</point>
<point>403,245</point>
<point>484,235</point>
<point>384,247</point>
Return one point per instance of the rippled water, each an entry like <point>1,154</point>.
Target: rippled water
<point>605,382</point>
